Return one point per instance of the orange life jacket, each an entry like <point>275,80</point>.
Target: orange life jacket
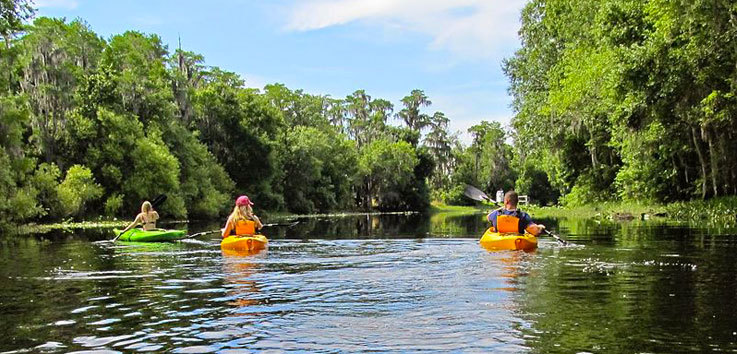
<point>507,224</point>
<point>244,227</point>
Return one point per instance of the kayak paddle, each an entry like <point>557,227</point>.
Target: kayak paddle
<point>476,194</point>
<point>278,224</point>
<point>556,237</point>
<point>160,199</point>
<point>221,230</point>
<point>201,233</point>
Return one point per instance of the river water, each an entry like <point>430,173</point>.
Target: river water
<point>376,283</point>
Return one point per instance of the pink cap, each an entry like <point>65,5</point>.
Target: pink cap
<point>243,200</point>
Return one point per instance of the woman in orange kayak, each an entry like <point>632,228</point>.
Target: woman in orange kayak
<point>509,219</point>
<point>242,221</point>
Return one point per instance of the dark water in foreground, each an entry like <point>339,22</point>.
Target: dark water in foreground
<point>383,283</point>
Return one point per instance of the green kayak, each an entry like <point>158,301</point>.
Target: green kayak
<point>158,235</point>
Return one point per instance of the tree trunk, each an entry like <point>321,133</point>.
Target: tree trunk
<point>714,161</point>
<point>702,161</point>
<point>592,149</point>
<point>684,167</point>
<point>724,178</point>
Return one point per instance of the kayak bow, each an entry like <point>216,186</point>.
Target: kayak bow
<point>498,241</point>
<point>157,235</point>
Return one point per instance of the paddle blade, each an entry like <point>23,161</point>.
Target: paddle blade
<point>476,194</point>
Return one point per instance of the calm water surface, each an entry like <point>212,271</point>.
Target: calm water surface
<point>380,283</point>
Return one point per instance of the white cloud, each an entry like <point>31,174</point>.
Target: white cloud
<point>470,29</point>
<point>65,4</point>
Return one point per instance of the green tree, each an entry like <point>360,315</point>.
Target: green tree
<point>77,189</point>
<point>411,115</point>
<point>492,157</point>
<point>386,168</point>
<point>319,171</point>
<point>55,56</point>
<point>17,193</point>
<point>240,128</point>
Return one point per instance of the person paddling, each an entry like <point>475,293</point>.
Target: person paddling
<point>147,218</point>
<point>242,221</point>
<point>509,219</point>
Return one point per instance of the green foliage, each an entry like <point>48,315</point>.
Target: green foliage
<point>534,183</point>
<point>77,189</point>
<point>17,192</point>
<point>154,171</point>
<point>319,169</point>
<point>12,15</point>
<point>387,168</point>
<point>411,114</point>
<point>134,121</point>
<point>54,56</point>
<point>491,157</point>
<point>720,212</point>
<point>630,94</point>
<point>206,187</point>
<point>113,204</point>
<point>46,181</point>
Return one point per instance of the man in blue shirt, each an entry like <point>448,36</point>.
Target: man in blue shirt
<point>509,219</point>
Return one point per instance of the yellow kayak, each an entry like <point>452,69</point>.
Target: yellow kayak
<point>244,243</point>
<point>496,241</point>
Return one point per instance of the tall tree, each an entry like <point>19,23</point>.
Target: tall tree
<point>56,55</point>
<point>411,115</point>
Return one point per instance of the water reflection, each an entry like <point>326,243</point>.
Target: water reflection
<point>238,271</point>
<point>382,283</point>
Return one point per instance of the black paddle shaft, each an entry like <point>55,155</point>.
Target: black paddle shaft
<point>160,199</point>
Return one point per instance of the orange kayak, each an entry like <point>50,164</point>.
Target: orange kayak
<point>244,243</point>
<point>497,241</point>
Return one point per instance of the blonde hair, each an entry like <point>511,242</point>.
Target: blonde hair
<point>239,214</point>
<point>146,207</point>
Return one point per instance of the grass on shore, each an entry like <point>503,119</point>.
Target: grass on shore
<point>720,211</point>
<point>439,207</point>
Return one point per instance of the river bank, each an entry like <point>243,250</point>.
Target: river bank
<point>266,217</point>
<point>717,212</point>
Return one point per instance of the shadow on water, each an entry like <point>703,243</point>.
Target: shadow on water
<point>376,282</point>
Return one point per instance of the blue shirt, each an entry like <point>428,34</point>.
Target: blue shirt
<point>524,219</point>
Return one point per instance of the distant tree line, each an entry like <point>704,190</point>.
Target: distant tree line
<point>92,126</point>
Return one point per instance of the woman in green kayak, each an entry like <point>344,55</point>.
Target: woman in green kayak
<point>147,218</point>
<point>242,221</point>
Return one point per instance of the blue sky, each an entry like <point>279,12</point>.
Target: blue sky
<point>451,49</point>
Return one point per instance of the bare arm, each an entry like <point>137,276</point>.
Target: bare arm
<point>535,229</point>
<point>138,220</point>
<point>259,225</point>
<point>228,228</point>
